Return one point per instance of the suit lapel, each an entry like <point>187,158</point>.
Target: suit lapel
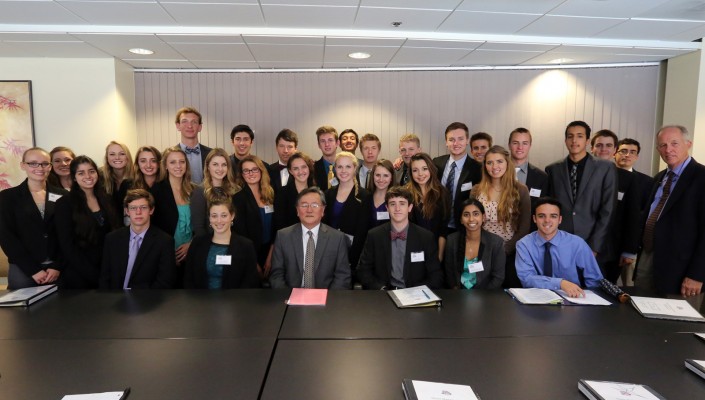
<point>681,186</point>
<point>565,179</point>
<point>587,175</point>
<point>411,244</point>
<point>387,250</point>
<point>27,202</point>
<point>144,249</point>
<point>297,244</point>
<point>49,205</point>
<point>320,246</point>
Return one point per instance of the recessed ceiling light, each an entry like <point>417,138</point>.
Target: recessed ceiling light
<point>561,60</point>
<point>144,52</point>
<point>359,55</point>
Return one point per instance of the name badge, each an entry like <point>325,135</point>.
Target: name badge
<point>620,196</point>
<point>53,197</point>
<point>382,215</point>
<point>223,260</point>
<point>268,209</point>
<point>535,192</point>
<point>476,267</point>
<point>417,257</point>
<point>334,182</point>
<point>466,186</point>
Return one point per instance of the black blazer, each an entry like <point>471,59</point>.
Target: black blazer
<point>626,226</point>
<point>644,183</point>
<point>353,219</point>
<point>154,267</point>
<point>241,273</point>
<point>166,215</point>
<point>82,260</point>
<point>285,206</point>
<point>275,177</point>
<point>679,234</point>
<point>471,173</point>
<point>320,173</point>
<point>248,222</point>
<point>536,179</point>
<point>492,256</point>
<point>26,238</point>
<point>374,270</point>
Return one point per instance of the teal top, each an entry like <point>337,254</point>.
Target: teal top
<point>214,271</point>
<point>183,231</point>
<point>468,279</point>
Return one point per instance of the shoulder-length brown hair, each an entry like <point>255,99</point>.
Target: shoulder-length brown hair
<point>266,192</point>
<point>186,186</point>
<point>139,182</point>
<point>508,204</point>
<point>229,186</point>
<point>435,195</point>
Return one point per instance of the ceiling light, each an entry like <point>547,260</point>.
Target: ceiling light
<point>561,60</point>
<point>359,55</point>
<point>144,52</point>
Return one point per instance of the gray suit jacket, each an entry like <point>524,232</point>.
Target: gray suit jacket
<point>591,214</point>
<point>331,265</point>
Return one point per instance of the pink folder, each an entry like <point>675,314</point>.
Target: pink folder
<point>307,297</point>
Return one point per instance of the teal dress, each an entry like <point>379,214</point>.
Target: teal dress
<point>215,271</point>
<point>468,279</point>
<point>183,231</point>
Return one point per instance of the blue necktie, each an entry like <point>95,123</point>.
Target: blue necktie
<point>132,256</point>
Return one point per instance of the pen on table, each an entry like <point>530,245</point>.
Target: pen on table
<point>125,393</point>
<point>424,293</point>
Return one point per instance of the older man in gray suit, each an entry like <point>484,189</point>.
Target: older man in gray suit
<point>586,187</point>
<point>310,254</point>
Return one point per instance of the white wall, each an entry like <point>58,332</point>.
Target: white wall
<point>393,103</point>
<point>79,103</point>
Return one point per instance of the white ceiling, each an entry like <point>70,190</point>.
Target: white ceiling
<point>264,34</point>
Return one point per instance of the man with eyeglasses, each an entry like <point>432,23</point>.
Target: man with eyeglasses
<point>189,124</point>
<point>310,254</point>
<point>627,154</point>
<point>138,256</point>
<point>623,244</point>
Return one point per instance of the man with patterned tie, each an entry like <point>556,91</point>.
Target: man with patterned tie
<point>310,254</point>
<point>673,243</point>
<point>409,146</point>
<point>138,256</point>
<point>324,169</point>
<point>550,258</point>
<point>370,146</point>
<point>456,170</point>
<point>587,190</point>
<point>399,254</point>
<point>189,123</point>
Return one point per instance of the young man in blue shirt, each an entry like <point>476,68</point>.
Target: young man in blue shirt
<point>554,259</point>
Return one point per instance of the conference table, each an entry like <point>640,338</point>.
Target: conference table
<point>248,344</point>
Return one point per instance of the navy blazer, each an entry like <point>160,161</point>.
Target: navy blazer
<point>353,219</point>
<point>374,270</point>
<point>471,173</point>
<point>166,214</point>
<point>154,267</point>
<point>679,234</point>
<point>492,256</point>
<point>27,238</point>
<point>241,273</point>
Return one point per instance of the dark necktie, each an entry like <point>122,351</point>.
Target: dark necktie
<point>280,167</point>
<point>574,180</point>
<point>404,176</point>
<point>648,240</point>
<point>309,280</point>
<point>451,180</point>
<point>398,235</point>
<point>547,260</point>
<point>193,150</point>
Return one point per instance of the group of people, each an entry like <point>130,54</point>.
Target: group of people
<point>197,217</point>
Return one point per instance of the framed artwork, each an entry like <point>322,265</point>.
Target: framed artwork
<point>16,129</point>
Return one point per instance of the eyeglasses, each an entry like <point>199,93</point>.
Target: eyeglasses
<point>34,164</point>
<point>624,152</point>
<point>307,205</point>
<point>251,171</point>
<point>135,208</point>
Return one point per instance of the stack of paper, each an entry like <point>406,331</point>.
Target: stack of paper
<point>602,390</point>
<point>422,390</point>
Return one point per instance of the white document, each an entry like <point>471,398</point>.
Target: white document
<point>465,187</point>
<point>476,267</point>
<point>621,391</point>
<point>666,308</point>
<point>535,296</point>
<point>590,299</point>
<point>53,197</point>
<point>223,260</point>
<point>268,209</point>
<point>535,192</point>
<point>382,215</point>
<point>700,335</point>
<point>415,296</point>
<point>95,396</point>
<point>442,391</point>
<point>417,257</point>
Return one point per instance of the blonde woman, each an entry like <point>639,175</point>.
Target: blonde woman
<point>218,183</point>
<point>507,205</point>
<point>345,210</point>
<point>117,171</point>
<point>254,205</point>
<point>172,196</point>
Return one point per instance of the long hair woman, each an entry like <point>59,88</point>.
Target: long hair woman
<point>255,206</point>
<point>431,199</point>
<point>300,168</point>
<point>382,180</point>
<point>60,174</point>
<point>218,183</point>
<point>83,218</point>
<point>146,167</point>
<point>117,171</point>
<point>507,205</point>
